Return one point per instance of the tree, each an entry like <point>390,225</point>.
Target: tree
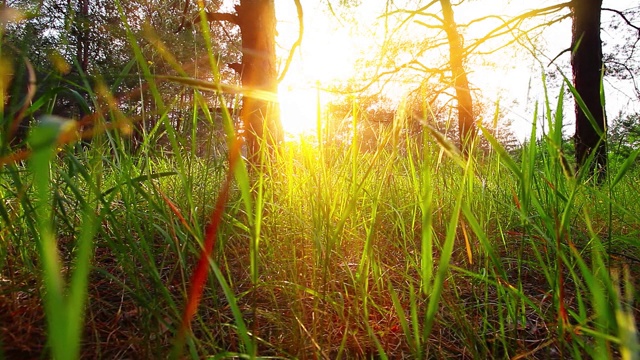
<point>260,114</point>
<point>257,21</point>
<point>76,45</point>
<point>587,67</point>
<point>81,30</point>
<point>466,126</point>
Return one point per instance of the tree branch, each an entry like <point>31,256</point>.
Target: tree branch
<point>624,17</point>
<point>517,20</point>
<point>211,17</point>
<point>412,13</point>
<point>184,16</point>
<point>430,26</point>
<point>295,44</point>
<point>631,72</point>
<point>232,18</point>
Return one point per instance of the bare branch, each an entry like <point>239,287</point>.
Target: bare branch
<point>560,54</point>
<point>411,12</point>
<point>298,41</point>
<point>630,71</point>
<point>497,17</point>
<point>517,20</point>
<point>429,26</point>
<point>184,16</point>
<point>232,18</point>
<point>520,34</point>
<point>211,17</point>
<point>413,64</point>
<point>624,17</point>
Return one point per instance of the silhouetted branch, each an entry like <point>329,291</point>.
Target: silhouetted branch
<point>412,13</point>
<point>560,54</point>
<point>211,17</point>
<point>232,18</point>
<point>624,17</point>
<point>630,71</point>
<point>184,16</point>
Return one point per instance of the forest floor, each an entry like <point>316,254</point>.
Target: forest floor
<point>118,327</point>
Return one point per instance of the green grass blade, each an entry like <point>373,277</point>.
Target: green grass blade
<point>584,108</point>
<point>626,166</point>
<point>502,152</point>
<point>445,257</point>
<point>242,330</point>
<point>43,139</point>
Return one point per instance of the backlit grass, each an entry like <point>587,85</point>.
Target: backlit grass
<point>407,250</point>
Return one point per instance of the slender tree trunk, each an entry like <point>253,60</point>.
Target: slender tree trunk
<point>82,36</point>
<point>587,67</point>
<point>466,126</point>
<point>260,111</point>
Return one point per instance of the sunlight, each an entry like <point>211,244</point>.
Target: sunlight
<point>333,49</point>
<point>337,49</point>
<point>298,110</point>
<point>327,57</point>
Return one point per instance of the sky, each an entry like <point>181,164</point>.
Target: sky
<point>334,42</point>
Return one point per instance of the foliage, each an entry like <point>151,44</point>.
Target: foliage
<point>624,136</point>
<point>49,38</point>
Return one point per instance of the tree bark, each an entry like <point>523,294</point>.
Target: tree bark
<point>467,130</point>
<point>260,110</point>
<point>587,64</point>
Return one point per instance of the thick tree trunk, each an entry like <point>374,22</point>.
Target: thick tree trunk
<point>587,66</point>
<point>466,127</point>
<point>260,111</point>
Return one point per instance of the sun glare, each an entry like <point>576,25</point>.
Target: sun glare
<point>298,110</point>
<point>326,57</point>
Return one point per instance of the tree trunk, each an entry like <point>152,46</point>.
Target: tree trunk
<point>260,110</point>
<point>82,35</point>
<point>587,66</point>
<point>466,126</point>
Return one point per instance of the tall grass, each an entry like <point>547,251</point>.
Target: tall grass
<point>407,251</point>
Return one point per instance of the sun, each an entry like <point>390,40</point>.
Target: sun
<point>299,107</point>
<point>326,57</point>
<point>317,66</point>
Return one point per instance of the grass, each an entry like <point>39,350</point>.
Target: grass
<point>379,254</point>
<point>408,251</point>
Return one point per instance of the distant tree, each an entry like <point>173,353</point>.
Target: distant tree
<point>76,44</point>
<point>60,42</point>
<point>81,30</point>
<point>624,136</point>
